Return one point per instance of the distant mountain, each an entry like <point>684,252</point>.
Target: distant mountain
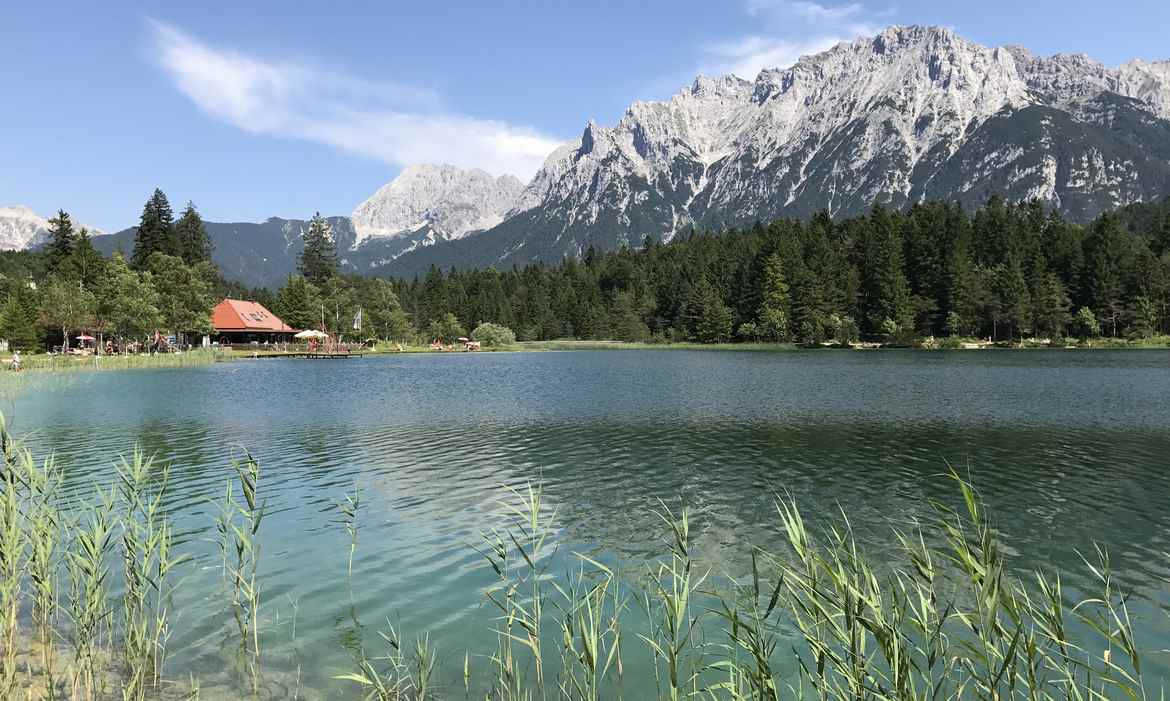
<point>911,114</point>
<point>449,201</point>
<point>21,228</point>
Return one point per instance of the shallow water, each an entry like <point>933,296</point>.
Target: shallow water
<point>1069,447</point>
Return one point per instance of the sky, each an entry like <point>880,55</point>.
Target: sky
<point>261,109</point>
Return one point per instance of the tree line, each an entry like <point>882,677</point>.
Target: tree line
<point>169,283</point>
<point>1004,272</point>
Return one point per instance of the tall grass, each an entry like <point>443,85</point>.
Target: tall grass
<point>239,529</point>
<point>945,617</point>
<point>83,363</point>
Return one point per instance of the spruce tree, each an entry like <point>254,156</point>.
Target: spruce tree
<point>19,320</point>
<point>191,240</point>
<point>886,295</point>
<point>775,307</point>
<point>156,230</point>
<point>62,240</point>
<point>86,261</point>
<point>318,261</point>
<point>299,304</point>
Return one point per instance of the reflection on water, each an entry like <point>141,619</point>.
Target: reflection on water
<point>1069,447</point>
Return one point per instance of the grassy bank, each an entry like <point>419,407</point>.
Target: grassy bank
<point>945,619</point>
<point>83,363</point>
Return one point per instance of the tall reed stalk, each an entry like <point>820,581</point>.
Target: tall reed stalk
<point>90,610</point>
<point>349,517</point>
<point>147,562</point>
<point>239,529</point>
<point>519,555</point>
<point>46,530</point>
<point>672,618</point>
<point>13,558</point>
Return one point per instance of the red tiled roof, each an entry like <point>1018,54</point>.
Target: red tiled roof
<point>238,315</point>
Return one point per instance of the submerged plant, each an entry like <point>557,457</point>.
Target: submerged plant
<point>349,513</point>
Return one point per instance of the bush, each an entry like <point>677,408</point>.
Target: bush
<point>493,335</point>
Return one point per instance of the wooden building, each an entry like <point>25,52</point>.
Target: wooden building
<point>239,322</point>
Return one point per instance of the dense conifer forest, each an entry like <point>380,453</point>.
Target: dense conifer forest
<point>1005,272</point>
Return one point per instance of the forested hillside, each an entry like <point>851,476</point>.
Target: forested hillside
<point>1004,272</point>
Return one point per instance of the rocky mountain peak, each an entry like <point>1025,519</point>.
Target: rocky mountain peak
<point>449,201</point>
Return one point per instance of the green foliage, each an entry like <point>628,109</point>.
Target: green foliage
<point>156,230</point>
<point>192,244</point>
<point>299,304</point>
<point>318,260</point>
<point>446,329</point>
<point>185,296</point>
<point>775,308</point>
<point>1085,324</point>
<point>384,315</point>
<point>493,335</point>
<point>706,318</point>
<point>19,320</point>
<point>67,305</point>
<point>127,302</point>
<point>62,239</point>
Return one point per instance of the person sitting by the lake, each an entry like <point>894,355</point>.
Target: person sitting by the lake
<point>15,361</point>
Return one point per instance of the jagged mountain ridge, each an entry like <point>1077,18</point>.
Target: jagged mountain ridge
<point>911,114</point>
<point>448,201</point>
<point>21,227</point>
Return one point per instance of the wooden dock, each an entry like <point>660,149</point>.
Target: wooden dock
<point>310,356</point>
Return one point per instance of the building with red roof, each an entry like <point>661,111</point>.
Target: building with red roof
<point>238,321</point>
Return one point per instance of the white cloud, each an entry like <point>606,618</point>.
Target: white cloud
<point>748,55</point>
<point>792,28</point>
<point>395,123</point>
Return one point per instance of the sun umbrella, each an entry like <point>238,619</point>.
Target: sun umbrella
<point>83,337</point>
<point>311,333</point>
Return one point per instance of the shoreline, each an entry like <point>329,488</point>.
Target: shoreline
<point>46,364</point>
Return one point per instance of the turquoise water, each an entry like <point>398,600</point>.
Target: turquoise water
<point>1071,448</point>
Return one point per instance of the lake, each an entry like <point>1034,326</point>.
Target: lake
<point>1071,448</point>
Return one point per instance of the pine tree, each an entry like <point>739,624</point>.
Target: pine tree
<point>299,304</point>
<point>1050,304</point>
<point>156,230</point>
<point>86,261</point>
<point>707,319</point>
<point>62,240</point>
<point>191,239</point>
<point>318,261</point>
<point>775,306</point>
<point>886,295</point>
<point>19,320</point>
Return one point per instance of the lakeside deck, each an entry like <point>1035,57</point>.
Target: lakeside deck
<point>308,355</point>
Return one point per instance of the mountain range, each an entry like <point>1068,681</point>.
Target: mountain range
<point>913,113</point>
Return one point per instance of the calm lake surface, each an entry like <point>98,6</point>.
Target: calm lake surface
<point>1071,448</point>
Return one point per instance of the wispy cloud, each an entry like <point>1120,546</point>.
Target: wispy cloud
<point>789,29</point>
<point>396,123</point>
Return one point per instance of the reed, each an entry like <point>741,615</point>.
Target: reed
<point>13,556</point>
<point>239,528</point>
<point>944,618</point>
<point>46,529</point>
<point>148,559</point>
<point>86,363</point>
<point>90,610</point>
<point>349,513</point>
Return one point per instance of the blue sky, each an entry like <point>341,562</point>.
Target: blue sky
<point>265,109</point>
